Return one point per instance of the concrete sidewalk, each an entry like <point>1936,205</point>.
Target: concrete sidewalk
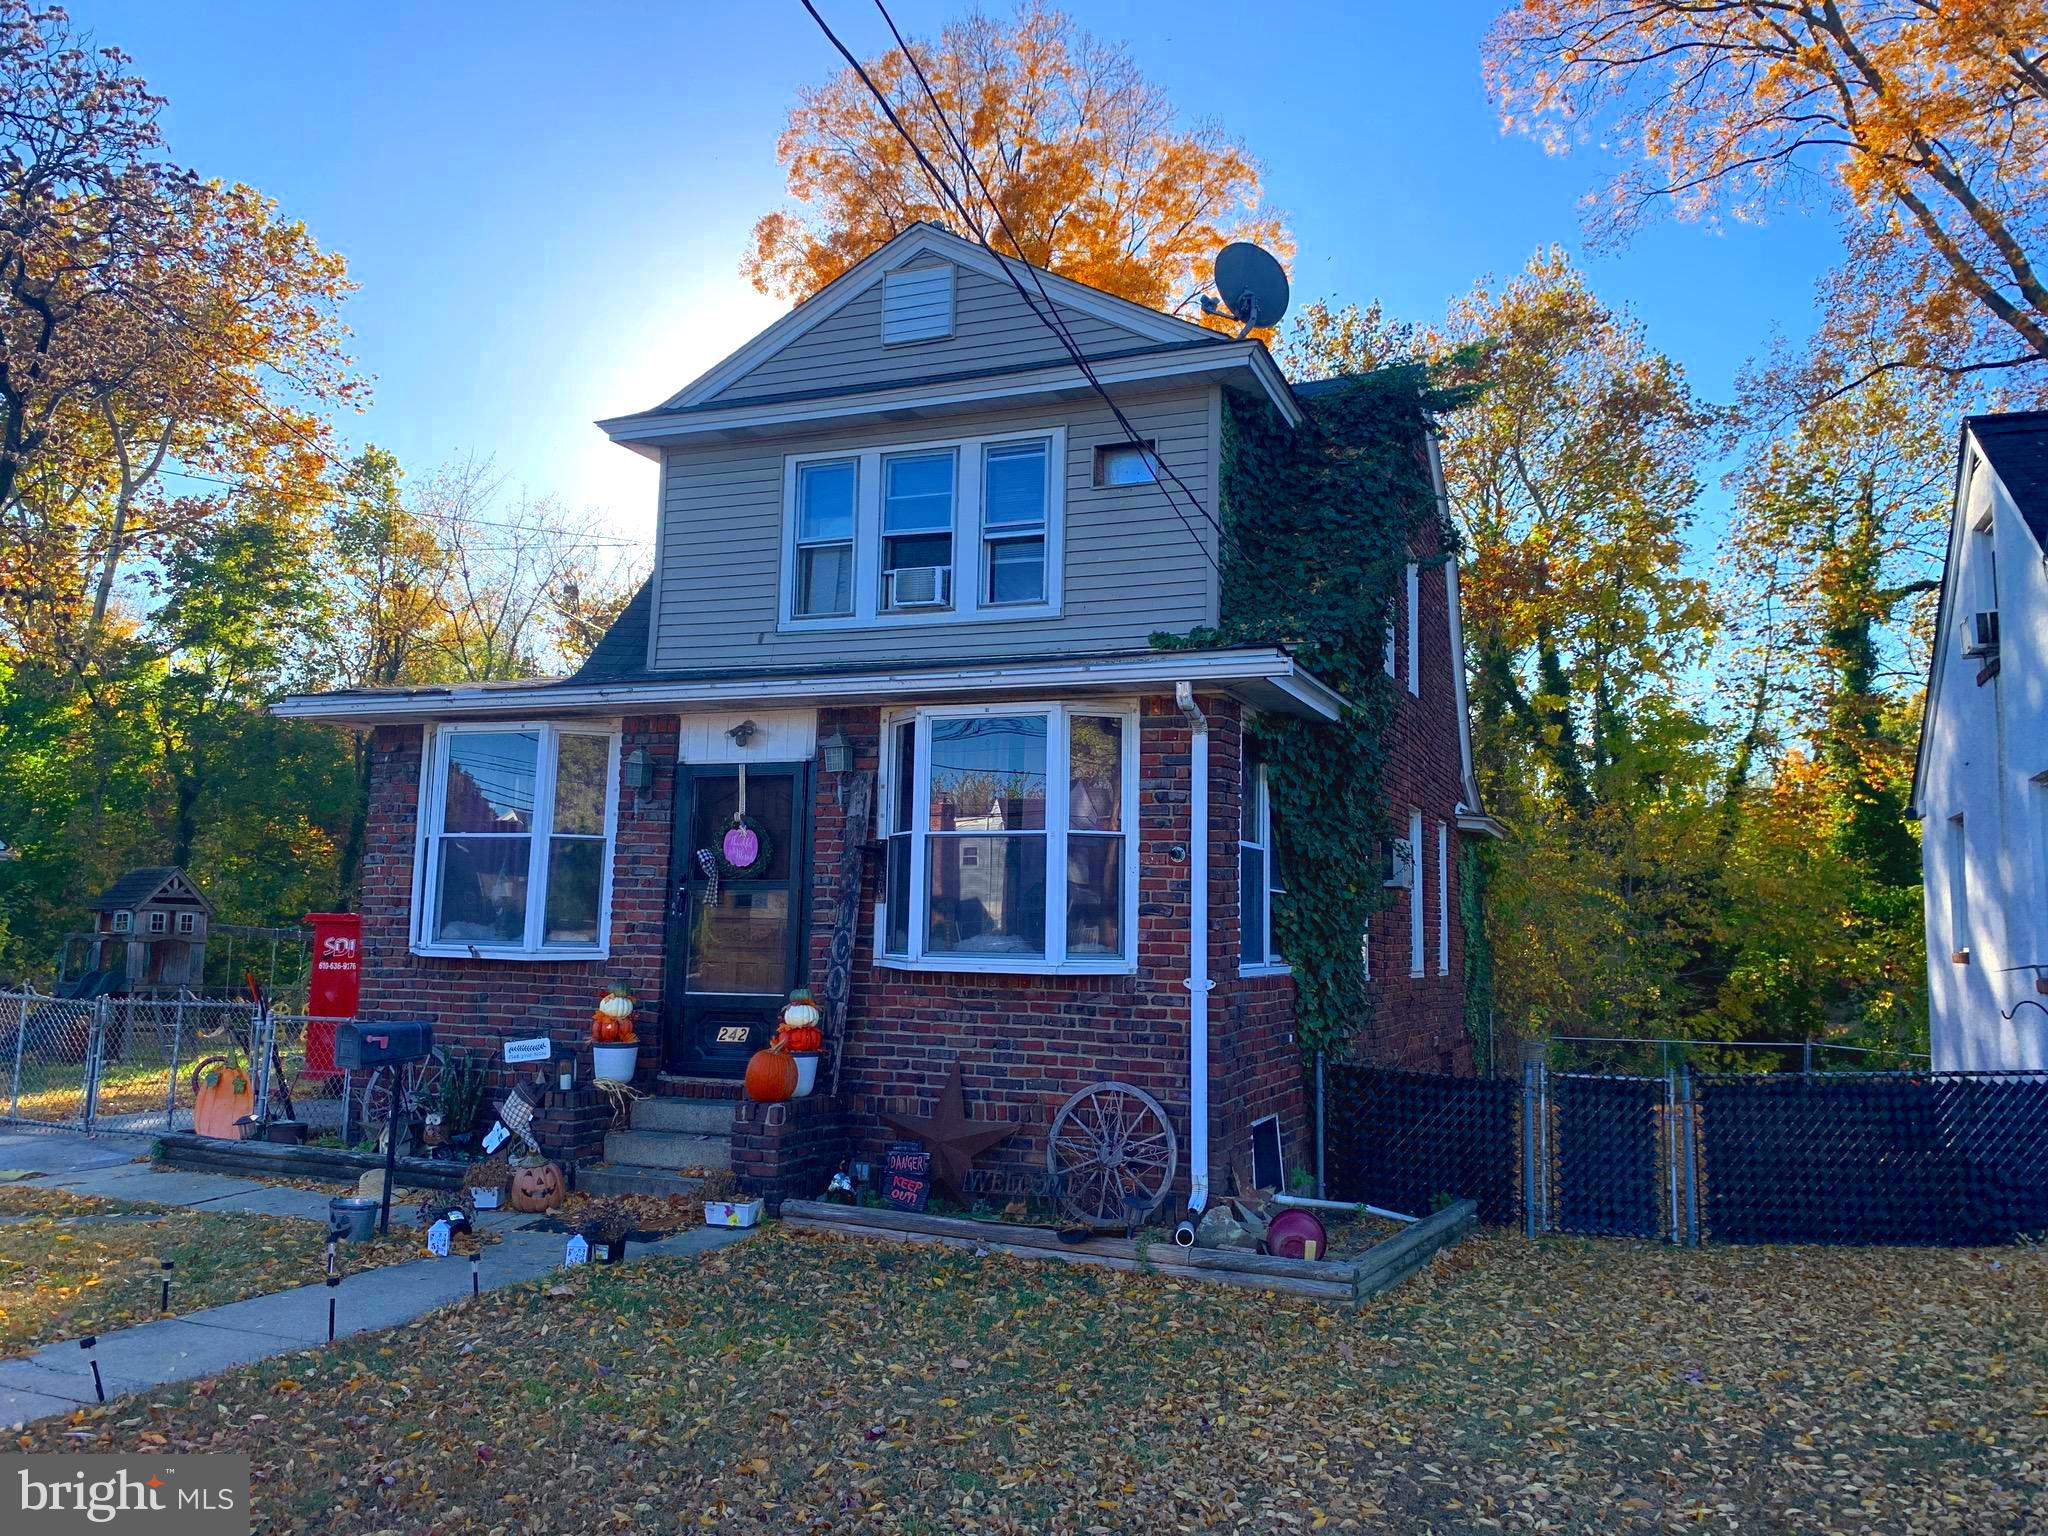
<point>58,1378</point>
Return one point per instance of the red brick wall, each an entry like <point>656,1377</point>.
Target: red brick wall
<point>478,1004</point>
<point>1419,1021</point>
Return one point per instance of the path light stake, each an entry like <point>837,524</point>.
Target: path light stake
<point>87,1344</point>
<point>164,1300</point>
<point>475,1283</point>
<point>332,1282</point>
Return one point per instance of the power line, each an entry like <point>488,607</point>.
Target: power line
<point>240,487</point>
<point>1049,317</point>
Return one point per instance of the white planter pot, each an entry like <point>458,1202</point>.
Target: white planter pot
<point>486,1199</point>
<point>614,1063</point>
<point>732,1213</point>
<point>806,1072</point>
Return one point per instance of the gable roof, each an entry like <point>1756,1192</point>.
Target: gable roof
<point>139,887</point>
<point>2015,445</point>
<point>1153,335</point>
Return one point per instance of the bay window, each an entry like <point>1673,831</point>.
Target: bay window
<point>1010,840</point>
<point>924,533</point>
<point>516,830</point>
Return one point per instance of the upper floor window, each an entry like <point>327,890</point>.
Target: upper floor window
<point>516,831</point>
<point>924,533</point>
<point>1125,464</point>
<point>824,538</point>
<point>188,922</point>
<point>1011,840</point>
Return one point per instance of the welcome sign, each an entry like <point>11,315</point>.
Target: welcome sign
<point>136,1495</point>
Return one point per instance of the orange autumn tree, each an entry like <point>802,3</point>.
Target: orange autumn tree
<point>1093,169</point>
<point>1926,120</point>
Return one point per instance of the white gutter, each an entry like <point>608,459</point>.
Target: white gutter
<point>1291,689</point>
<point>1198,982</point>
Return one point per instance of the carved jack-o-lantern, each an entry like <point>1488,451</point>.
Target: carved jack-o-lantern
<point>536,1188</point>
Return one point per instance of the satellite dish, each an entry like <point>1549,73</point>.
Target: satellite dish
<point>1252,285</point>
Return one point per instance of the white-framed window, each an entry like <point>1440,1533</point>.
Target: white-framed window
<point>1012,839</point>
<point>124,922</point>
<point>924,532</point>
<point>1443,898</point>
<point>1415,895</point>
<point>1016,492</point>
<point>1393,619</point>
<point>516,831</point>
<point>918,494</point>
<point>1958,887</point>
<point>188,922</point>
<point>159,922</point>
<point>1415,632</point>
<point>1260,881</point>
<point>826,494</point>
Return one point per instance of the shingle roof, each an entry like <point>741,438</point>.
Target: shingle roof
<point>2016,444</point>
<point>621,652</point>
<point>134,888</point>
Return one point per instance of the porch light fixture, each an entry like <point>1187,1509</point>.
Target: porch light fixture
<point>838,753</point>
<point>742,733</point>
<point>639,771</point>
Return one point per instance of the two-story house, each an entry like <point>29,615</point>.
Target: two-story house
<point>1980,785</point>
<point>907,554</point>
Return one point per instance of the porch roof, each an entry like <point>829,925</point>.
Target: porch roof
<point>1265,677</point>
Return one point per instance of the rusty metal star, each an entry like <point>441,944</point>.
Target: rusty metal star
<point>955,1139</point>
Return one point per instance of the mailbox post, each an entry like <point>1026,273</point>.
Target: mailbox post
<point>397,1045</point>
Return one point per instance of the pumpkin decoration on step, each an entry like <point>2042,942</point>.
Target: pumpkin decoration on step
<point>612,1023</point>
<point>536,1188</point>
<point>771,1076</point>
<point>800,1030</point>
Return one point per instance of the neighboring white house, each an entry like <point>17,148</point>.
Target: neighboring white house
<point>1980,786</point>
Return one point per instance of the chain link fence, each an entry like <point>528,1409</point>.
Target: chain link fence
<point>134,1064</point>
<point>1946,1159</point>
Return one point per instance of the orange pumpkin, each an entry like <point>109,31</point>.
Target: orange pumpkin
<point>802,1037</point>
<point>771,1077</point>
<point>604,1029</point>
<point>536,1188</point>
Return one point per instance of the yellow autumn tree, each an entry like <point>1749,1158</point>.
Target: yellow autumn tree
<point>1926,121</point>
<point>1093,169</point>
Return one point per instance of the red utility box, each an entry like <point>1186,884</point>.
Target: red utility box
<point>332,988</point>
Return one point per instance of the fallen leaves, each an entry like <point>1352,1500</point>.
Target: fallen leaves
<point>812,1383</point>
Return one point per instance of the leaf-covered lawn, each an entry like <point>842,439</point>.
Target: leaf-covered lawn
<point>810,1383</point>
<point>72,1265</point>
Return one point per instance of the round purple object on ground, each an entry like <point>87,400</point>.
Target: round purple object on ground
<point>1289,1235</point>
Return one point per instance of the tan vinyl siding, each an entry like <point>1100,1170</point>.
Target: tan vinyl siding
<point>1131,566</point>
<point>992,328</point>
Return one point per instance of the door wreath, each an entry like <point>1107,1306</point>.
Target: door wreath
<point>744,848</point>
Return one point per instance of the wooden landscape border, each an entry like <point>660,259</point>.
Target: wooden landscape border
<point>278,1160</point>
<point>1344,1281</point>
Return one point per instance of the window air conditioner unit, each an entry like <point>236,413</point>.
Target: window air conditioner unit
<point>919,586</point>
<point>1980,633</point>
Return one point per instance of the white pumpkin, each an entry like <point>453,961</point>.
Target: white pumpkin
<point>616,1004</point>
<point>800,1015</point>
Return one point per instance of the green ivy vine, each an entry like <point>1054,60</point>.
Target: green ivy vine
<point>1318,524</point>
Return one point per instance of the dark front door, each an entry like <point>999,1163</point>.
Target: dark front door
<point>735,940</point>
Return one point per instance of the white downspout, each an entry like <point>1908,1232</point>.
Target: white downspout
<point>1198,982</point>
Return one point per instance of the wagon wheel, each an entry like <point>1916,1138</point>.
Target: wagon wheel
<point>418,1086</point>
<point>1111,1156</point>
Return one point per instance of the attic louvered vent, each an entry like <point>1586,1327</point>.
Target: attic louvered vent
<point>917,304</point>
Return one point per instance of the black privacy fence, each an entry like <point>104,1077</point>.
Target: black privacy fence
<point>1936,1158</point>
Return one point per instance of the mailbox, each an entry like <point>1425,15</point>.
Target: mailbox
<point>358,1045</point>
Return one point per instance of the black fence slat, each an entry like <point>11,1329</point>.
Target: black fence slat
<point>1404,1141</point>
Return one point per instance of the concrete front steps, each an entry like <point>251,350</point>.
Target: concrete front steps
<point>671,1140</point>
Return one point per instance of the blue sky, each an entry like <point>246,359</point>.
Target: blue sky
<point>545,206</point>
